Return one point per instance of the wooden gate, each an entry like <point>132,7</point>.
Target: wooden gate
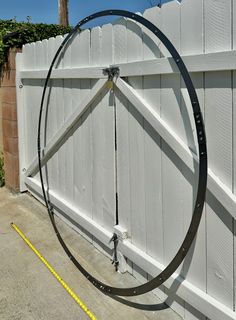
<point>128,153</point>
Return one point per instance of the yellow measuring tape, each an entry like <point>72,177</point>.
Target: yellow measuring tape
<point>62,282</point>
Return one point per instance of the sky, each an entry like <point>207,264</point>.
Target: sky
<point>46,11</point>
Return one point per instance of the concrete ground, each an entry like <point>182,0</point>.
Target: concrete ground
<point>28,289</point>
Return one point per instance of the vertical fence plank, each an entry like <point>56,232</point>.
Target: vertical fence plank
<point>219,124</point>
<point>192,42</point>
<point>218,120</point>
<point>234,140</point>
<point>82,138</point>
<point>152,148</point>
<point>68,145</point>
<point>192,32</point>
<point>136,144</point>
<point>120,41</point>
<point>51,125</point>
<point>218,105</point>
<point>217,25</point>
<point>59,120</point>
<point>151,48</point>
<point>97,133</point>
<point>152,142</point>
<point>172,179</point>
<point>136,149</point>
<point>49,105</point>
<point>109,171</point>
<point>21,122</point>
<point>103,201</point>
<point>41,62</point>
<point>170,25</point>
<point>30,102</point>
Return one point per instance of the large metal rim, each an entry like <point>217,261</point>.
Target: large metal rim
<point>202,178</point>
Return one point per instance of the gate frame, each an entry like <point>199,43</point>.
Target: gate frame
<point>202,181</point>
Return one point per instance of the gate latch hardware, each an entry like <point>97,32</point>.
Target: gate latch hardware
<point>112,72</point>
<point>115,258</point>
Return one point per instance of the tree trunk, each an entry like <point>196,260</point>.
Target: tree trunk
<point>63,12</point>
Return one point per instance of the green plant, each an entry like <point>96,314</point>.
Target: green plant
<point>25,32</point>
<point>2,173</point>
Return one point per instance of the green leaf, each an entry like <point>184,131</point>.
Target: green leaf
<point>26,32</point>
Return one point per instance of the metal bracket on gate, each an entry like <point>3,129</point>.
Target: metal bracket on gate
<point>115,259</point>
<point>112,72</point>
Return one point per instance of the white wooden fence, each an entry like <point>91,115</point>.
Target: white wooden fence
<point>153,171</point>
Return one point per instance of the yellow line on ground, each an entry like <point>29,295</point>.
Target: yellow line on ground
<point>50,268</point>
